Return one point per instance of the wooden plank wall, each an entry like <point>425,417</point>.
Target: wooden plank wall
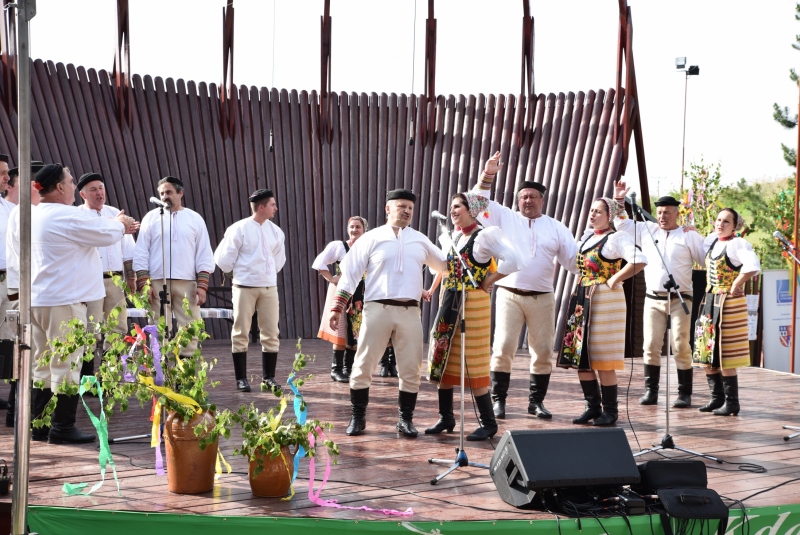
<point>561,140</point>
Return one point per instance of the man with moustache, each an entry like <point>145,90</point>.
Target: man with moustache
<point>65,275</point>
<point>392,256</point>
<point>188,260</point>
<point>117,259</point>
<point>681,249</point>
<point>526,298</point>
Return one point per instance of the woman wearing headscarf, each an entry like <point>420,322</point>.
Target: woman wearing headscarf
<point>345,338</point>
<point>721,342</point>
<point>594,334</point>
<point>479,248</point>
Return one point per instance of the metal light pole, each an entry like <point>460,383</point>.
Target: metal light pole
<point>26,10</point>
<point>680,64</point>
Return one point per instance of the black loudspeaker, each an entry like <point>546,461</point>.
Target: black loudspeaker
<point>527,462</point>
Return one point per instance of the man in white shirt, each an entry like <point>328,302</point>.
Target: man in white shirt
<point>6,333</point>
<point>187,261</point>
<point>680,249</point>
<point>116,259</point>
<point>11,248</point>
<point>393,256</point>
<point>526,298</point>
<point>253,252</point>
<point>65,275</point>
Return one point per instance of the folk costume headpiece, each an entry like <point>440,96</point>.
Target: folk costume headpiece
<point>614,209</point>
<point>667,201</point>
<point>89,177</point>
<point>48,175</point>
<point>401,194</point>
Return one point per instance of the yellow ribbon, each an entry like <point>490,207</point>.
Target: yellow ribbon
<point>171,394</point>
<point>289,473</point>
<point>154,433</point>
<point>219,464</point>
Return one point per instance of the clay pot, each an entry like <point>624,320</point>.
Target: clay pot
<point>190,470</point>
<point>274,480</point>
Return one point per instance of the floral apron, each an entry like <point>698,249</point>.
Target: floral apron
<point>595,270</point>
<point>713,314</point>
<point>449,312</point>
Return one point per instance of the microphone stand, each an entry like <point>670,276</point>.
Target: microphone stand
<point>163,295</point>
<point>790,252</point>
<point>667,442</point>
<point>461,459</point>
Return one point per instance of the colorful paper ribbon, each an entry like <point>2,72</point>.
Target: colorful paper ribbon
<point>101,425</point>
<point>301,415</point>
<point>155,434</point>
<point>315,497</point>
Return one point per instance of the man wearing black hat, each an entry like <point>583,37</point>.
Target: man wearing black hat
<point>11,247</point>
<point>65,275</point>
<point>187,261</point>
<point>526,298</point>
<point>392,256</point>
<point>252,251</point>
<point>680,248</point>
<point>116,259</point>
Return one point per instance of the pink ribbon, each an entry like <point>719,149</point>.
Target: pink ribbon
<point>315,497</point>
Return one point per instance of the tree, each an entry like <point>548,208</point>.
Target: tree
<point>782,115</point>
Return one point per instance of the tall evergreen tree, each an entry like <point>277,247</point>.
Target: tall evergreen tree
<point>782,115</point>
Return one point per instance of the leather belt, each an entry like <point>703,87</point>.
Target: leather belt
<point>108,275</point>
<point>664,297</point>
<point>523,292</point>
<point>248,287</point>
<point>396,303</point>
<point>13,297</point>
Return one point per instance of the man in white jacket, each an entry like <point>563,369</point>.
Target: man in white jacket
<point>253,252</point>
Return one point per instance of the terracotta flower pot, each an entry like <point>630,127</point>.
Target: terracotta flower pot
<point>190,470</point>
<point>274,480</point>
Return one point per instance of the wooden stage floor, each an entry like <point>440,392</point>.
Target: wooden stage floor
<point>382,470</point>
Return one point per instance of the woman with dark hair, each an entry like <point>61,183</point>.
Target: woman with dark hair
<point>345,338</point>
<point>478,247</point>
<point>594,334</point>
<point>721,343</point>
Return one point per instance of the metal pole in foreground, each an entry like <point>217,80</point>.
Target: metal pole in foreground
<point>26,10</point>
<point>793,282</point>
<point>683,143</point>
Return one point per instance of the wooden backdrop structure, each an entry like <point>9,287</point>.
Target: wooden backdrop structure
<point>575,143</point>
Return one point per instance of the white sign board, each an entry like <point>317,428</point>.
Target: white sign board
<point>778,321</point>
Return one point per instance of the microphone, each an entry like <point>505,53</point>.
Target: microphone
<point>438,215</point>
<point>633,198</point>
<point>781,238</point>
<point>159,202</point>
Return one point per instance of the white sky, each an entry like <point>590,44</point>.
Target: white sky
<point>743,50</point>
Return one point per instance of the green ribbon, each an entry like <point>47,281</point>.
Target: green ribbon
<point>101,425</point>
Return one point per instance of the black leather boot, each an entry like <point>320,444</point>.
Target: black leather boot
<point>240,371</point>
<point>39,399</point>
<point>539,385</point>
<point>347,367</point>
<point>407,401</point>
<point>684,399</point>
<point>12,404</point>
<point>392,363</point>
<point>359,399</point>
<point>63,428</point>
<point>87,368</point>
<point>610,412</point>
<point>500,382</point>
<point>591,393</point>
<point>730,385</point>
<point>385,362</point>
<point>446,419</point>
<point>269,361</point>
<point>488,427</point>
<point>717,393</point>
<point>652,374</point>
<point>337,365</point>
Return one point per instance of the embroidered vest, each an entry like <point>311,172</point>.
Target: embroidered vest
<point>594,267</point>
<point>721,272</point>
<point>455,275</point>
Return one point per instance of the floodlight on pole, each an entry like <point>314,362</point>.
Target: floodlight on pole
<point>693,70</point>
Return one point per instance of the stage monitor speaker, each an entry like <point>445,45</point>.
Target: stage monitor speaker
<point>526,462</point>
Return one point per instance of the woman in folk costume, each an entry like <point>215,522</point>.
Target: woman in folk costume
<point>594,335</point>
<point>345,339</point>
<point>721,343</point>
<point>478,247</point>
